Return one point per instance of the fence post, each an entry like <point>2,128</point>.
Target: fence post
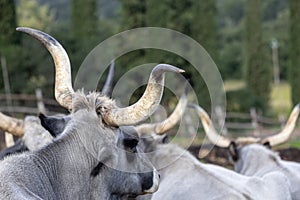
<point>40,102</point>
<point>9,139</point>
<point>254,122</point>
<point>282,120</point>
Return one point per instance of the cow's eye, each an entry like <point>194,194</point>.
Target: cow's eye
<point>130,143</point>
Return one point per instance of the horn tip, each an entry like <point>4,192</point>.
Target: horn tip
<point>181,71</point>
<point>21,29</point>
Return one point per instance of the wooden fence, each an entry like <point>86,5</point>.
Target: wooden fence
<point>24,104</point>
<point>242,124</point>
<point>252,123</point>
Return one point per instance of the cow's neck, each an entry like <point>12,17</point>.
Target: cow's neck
<point>67,163</point>
<point>259,163</point>
<point>184,162</point>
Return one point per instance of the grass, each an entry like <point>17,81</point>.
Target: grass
<point>281,98</point>
<point>295,143</point>
<point>231,85</point>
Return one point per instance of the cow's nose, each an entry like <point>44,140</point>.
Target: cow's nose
<point>150,182</point>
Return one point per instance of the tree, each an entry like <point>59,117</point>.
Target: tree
<point>294,69</point>
<point>204,30</point>
<point>83,31</point>
<point>193,18</point>
<point>205,27</point>
<point>9,39</point>
<point>8,24</point>
<point>257,72</point>
<point>32,14</point>
<point>84,18</point>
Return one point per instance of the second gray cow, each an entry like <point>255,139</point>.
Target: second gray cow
<point>184,177</point>
<point>253,156</point>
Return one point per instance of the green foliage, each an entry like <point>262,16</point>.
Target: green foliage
<point>218,26</point>
<point>242,100</point>
<point>9,38</point>
<point>8,23</point>
<point>273,29</point>
<point>133,14</point>
<point>83,18</point>
<point>193,18</point>
<point>205,28</point>
<point>257,72</point>
<point>294,69</point>
<point>85,30</point>
<point>32,14</point>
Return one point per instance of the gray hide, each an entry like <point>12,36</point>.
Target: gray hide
<point>64,169</point>
<point>35,137</point>
<point>257,160</point>
<point>184,177</point>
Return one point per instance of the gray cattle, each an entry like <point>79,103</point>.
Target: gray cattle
<point>34,136</point>
<point>252,156</point>
<point>184,177</point>
<point>91,145</point>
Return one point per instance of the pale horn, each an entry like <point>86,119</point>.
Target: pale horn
<point>11,125</point>
<point>166,125</point>
<point>108,85</point>
<point>147,104</point>
<point>63,81</point>
<point>209,128</point>
<point>286,132</point>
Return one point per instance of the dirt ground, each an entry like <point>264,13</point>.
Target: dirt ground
<point>219,155</point>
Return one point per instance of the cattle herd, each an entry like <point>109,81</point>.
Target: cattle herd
<point>101,151</point>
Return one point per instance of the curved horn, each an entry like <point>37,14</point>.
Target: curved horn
<point>63,82</point>
<point>11,125</point>
<point>147,104</point>
<point>209,129</point>
<point>286,132</point>
<point>164,126</point>
<point>108,85</point>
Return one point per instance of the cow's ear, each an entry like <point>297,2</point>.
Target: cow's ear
<point>233,152</point>
<point>267,145</point>
<point>54,125</point>
<point>165,139</point>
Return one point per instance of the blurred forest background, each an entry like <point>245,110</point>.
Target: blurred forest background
<point>247,39</point>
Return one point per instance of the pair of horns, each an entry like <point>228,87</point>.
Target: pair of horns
<point>118,116</point>
<point>273,140</point>
<point>166,125</point>
<point>16,126</point>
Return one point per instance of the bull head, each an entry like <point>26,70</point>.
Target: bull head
<point>110,113</point>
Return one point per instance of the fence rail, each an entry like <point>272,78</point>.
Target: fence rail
<point>29,104</point>
<point>32,104</point>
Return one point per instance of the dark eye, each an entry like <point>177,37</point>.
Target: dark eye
<point>130,143</point>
